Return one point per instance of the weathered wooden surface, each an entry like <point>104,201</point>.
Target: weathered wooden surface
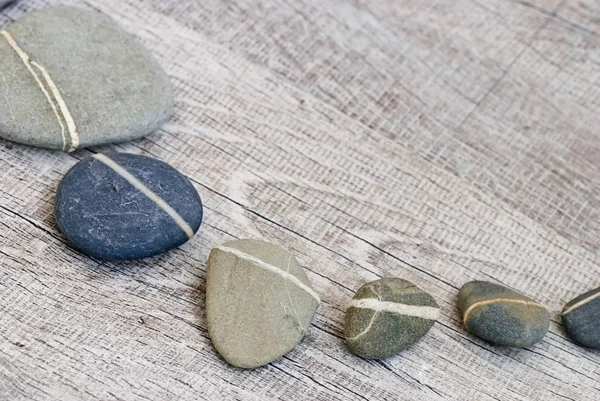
<point>438,141</point>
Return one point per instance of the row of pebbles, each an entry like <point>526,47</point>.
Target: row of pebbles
<point>118,206</point>
<point>259,301</point>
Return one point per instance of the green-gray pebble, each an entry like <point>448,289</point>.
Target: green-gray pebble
<point>111,86</point>
<point>581,318</point>
<point>502,316</point>
<point>386,316</point>
<point>259,302</point>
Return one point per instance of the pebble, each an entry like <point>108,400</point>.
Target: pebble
<point>502,316</point>
<point>386,316</point>
<point>72,78</point>
<point>259,302</point>
<point>122,206</point>
<point>5,2</point>
<point>581,318</point>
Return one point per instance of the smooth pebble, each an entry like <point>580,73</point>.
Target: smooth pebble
<point>502,316</point>
<point>581,318</point>
<point>72,78</point>
<point>259,302</point>
<point>386,316</point>
<point>122,206</point>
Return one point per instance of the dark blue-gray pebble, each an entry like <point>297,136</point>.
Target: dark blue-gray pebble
<point>105,216</point>
<point>581,318</point>
<point>502,316</point>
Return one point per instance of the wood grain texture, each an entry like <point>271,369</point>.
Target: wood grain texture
<point>436,141</point>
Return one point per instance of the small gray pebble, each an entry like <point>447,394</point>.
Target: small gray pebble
<point>386,316</point>
<point>259,302</point>
<point>122,206</point>
<point>502,316</point>
<point>72,78</point>
<point>581,318</point>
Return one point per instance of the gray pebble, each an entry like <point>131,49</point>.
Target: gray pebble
<point>72,78</point>
<point>502,316</point>
<point>386,316</point>
<point>581,318</point>
<point>259,302</point>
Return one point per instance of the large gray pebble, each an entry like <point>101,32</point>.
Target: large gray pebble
<point>72,78</point>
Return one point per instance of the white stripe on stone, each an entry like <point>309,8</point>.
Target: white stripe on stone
<point>423,312</point>
<point>285,275</point>
<point>498,300</point>
<point>27,61</point>
<point>582,302</point>
<point>146,191</point>
<point>63,107</point>
<point>366,330</point>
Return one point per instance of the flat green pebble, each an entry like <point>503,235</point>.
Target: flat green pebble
<point>386,316</point>
<point>259,302</point>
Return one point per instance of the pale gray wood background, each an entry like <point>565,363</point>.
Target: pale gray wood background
<point>438,141</point>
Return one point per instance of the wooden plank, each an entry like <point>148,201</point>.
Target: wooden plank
<point>435,141</point>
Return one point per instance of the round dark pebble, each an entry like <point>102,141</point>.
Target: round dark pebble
<point>122,206</point>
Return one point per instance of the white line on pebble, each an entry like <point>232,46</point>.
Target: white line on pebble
<point>146,191</point>
<point>274,269</point>
<point>28,63</point>
<point>499,300</point>
<point>423,312</point>
<point>581,303</point>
